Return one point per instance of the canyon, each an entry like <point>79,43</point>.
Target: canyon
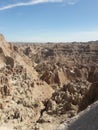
<point>46,86</point>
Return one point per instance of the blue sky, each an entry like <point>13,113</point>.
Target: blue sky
<point>49,20</point>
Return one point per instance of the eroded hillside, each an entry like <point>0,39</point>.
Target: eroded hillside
<point>21,91</point>
<point>42,85</point>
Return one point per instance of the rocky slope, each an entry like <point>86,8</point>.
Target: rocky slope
<point>43,85</point>
<point>21,91</point>
<point>72,71</point>
<point>86,120</point>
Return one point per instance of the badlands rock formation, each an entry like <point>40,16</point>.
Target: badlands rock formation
<point>44,85</point>
<point>21,91</point>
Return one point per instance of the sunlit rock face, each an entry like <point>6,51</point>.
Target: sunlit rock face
<point>1,37</point>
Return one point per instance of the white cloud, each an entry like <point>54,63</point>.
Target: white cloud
<point>10,5</point>
<point>32,2</point>
<point>72,2</point>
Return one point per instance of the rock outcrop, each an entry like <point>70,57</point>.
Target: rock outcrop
<point>21,91</point>
<point>86,120</point>
<point>44,85</point>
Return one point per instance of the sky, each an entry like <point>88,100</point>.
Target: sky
<point>49,20</point>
